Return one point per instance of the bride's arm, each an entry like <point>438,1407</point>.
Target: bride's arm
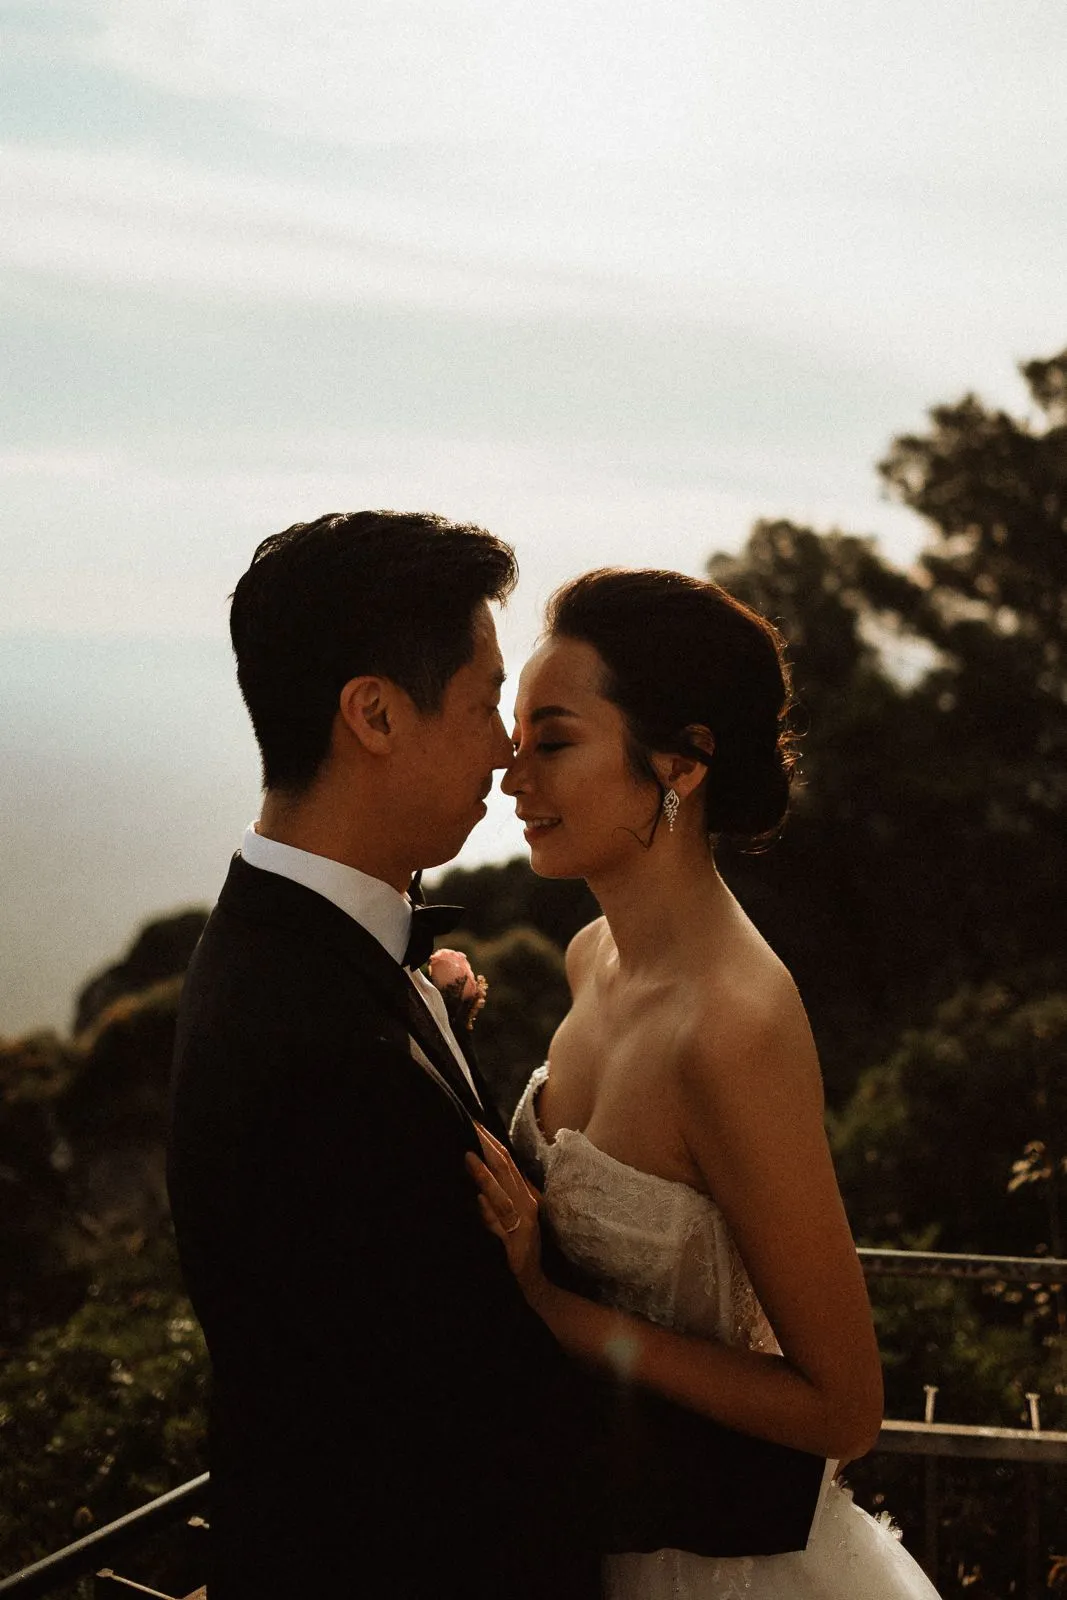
<point>761,1147</point>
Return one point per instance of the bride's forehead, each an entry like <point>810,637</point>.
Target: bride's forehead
<point>559,668</point>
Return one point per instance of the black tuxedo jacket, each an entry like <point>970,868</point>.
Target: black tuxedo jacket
<point>388,1415</point>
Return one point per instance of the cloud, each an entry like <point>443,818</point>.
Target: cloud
<point>77,466</point>
<point>842,275</point>
<point>811,173</point>
<point>133,218</point>
<point>412,73</point>
<point>726,84</point>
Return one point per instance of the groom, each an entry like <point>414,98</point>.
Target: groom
<point>388,1416</point>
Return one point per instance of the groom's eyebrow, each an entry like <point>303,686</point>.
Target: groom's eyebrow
<point>544,712</point>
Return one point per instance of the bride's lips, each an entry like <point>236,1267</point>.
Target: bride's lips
<point>538,827</point>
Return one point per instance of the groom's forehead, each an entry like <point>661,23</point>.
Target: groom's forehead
<point>487,657</point>
<point>488,664</point>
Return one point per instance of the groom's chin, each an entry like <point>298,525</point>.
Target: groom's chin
<point>440,851</point>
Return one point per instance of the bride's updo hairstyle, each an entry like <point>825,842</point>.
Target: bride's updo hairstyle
<point>681,652</point>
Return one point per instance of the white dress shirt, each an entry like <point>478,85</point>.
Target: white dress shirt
<point>376,906</point>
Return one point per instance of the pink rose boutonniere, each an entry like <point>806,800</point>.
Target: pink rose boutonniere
<point>463,993</point>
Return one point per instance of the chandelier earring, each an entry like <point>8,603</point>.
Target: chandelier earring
<point>671,807</point>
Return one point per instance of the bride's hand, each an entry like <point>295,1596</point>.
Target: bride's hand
<point>509,1208</point>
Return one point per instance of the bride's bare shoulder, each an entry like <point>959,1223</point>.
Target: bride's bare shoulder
<point>583,950</point>
<point>750,1030</point>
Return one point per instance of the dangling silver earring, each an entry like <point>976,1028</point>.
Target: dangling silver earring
<point>671,807</point>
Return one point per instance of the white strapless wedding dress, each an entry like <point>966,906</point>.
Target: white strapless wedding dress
<point>662,1250</point>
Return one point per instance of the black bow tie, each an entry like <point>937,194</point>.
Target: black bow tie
<point>427,922</point>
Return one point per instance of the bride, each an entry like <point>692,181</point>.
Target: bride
<point>677,1127</point>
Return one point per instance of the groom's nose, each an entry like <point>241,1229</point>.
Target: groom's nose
<point>502,746</point>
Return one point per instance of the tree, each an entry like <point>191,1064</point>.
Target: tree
<point>928,846</point>
<point>842,895</point>
<point>82,1134</point>
<point>937,1135</point>
<point>527,998</point>
<point>161,949</point>
<point>37,1225</point>
<point>103,1412</point>
<point>993,490</point>
<point>498,898</point>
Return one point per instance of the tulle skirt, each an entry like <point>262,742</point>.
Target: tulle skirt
<point>850,1556</point>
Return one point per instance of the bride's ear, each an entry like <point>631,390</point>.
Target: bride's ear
<point>684,773</point>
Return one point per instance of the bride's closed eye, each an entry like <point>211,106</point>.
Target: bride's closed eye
<point>545,746</point>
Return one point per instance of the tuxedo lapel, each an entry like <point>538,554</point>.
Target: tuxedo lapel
<point>490,1116</point>
<point>252,892</point>
<point>431,1040</point>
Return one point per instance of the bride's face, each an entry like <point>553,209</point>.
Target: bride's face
<point>583,809</point>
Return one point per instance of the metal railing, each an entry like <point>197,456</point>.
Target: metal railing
<point>89,1554</point>
<point>1034,1447</point>
<point>1048,1270</point>
<point>936,1441</point>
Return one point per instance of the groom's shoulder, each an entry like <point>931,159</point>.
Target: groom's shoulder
<point>263,911</point>
<point>274,951</point>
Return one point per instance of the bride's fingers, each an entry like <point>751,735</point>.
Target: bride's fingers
<point>494,1151</point>
<point>502,1167</point>
<point>500,1162</point>
<point>492,1191</point>
<point>498,1155</point>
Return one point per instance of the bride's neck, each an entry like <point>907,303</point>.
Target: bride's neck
<point>657,908</point>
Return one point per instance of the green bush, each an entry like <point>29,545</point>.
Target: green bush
<point>103,1413</point>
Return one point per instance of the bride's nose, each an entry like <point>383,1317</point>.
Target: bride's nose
<point>514,780</point>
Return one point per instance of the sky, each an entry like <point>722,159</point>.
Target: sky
<point>613,281</point>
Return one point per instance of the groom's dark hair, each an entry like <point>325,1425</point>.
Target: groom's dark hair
<point>385,592</point>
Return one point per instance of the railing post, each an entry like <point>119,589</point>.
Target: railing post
<point>108,1583</point>
<point>932,1496</point>
<point>1035,1578</point>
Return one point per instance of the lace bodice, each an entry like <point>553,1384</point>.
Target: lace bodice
<point>663,1251</point>
<point>652,1246</point>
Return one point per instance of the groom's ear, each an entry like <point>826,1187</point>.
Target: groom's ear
<point>367,708</point>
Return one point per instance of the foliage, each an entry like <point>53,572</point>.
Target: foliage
<point>983,1346</point>
<point>528,996</point>
<point>82,1132</point>
<point>933,1136</point>
<point>928,847</point>
<point>104,1412</point>
<point>498,898</point>
<point>161,950</point>
<point>36,1223</point>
